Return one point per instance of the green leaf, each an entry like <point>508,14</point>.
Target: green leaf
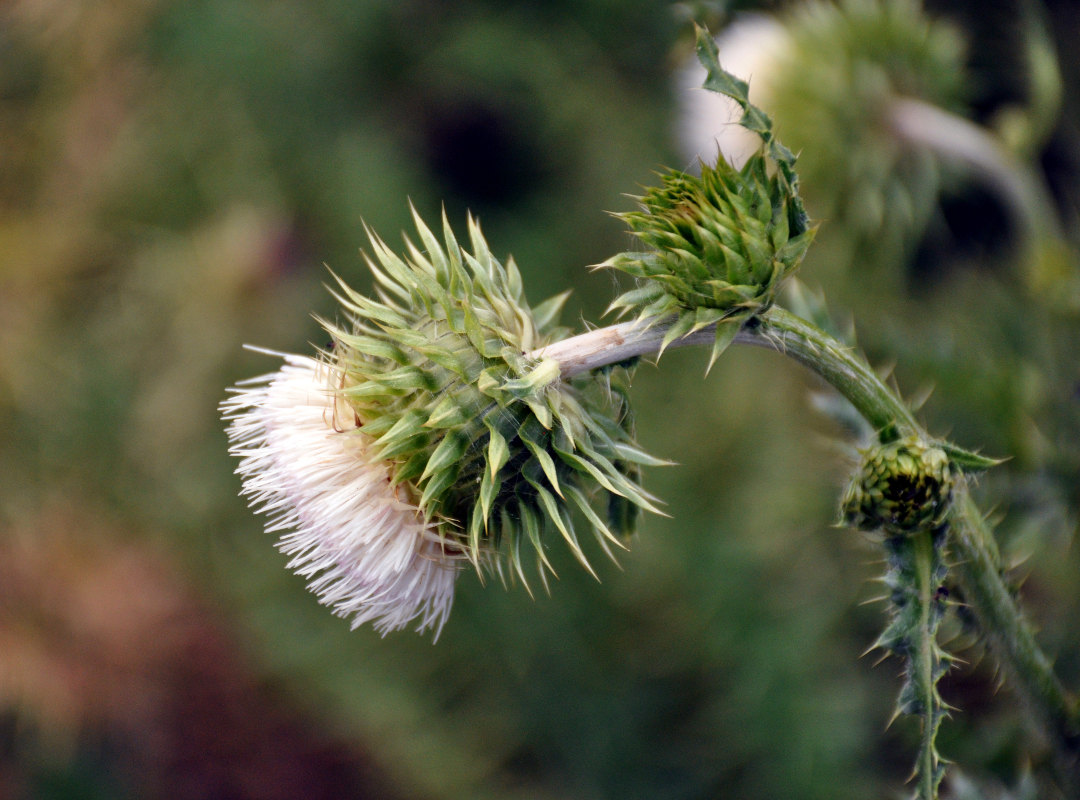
<point>682,326</point>
<point>634,455</point>
<point>498,451</point>
<point>636,297</point>
<point>543,374</point>
<point>447,414</point>
<point>411,469</point>
<point>582,502</point>
<point>555,514</point>
<point>439,483</point>
<point>477,526</point>
<point>531,524</point>
<point>793,250</point>
<point>402,435</point>
<point>546,463</point>
<point>754,119</point>
<point>434,248</point>
<point>540,411</point>
<point>489,489</point>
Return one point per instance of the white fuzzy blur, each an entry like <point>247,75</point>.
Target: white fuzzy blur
<point>707,123</point>
<point>366,552</point>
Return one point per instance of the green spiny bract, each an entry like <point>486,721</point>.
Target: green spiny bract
<point>901,487</point>
<point>721,244</point>
<point>488,442</point>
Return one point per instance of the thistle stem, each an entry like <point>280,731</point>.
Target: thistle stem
<point>776,329</point>
<point>1012,639</point>
<point>925,660</point>
<point>972,544</point>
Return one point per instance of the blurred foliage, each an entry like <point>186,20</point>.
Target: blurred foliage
<point>173,176</point>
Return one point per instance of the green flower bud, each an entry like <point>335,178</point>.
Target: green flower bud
<point>901,487</point>
<point>722,242</point>
<point>427,435</point>
<point>721,245</point>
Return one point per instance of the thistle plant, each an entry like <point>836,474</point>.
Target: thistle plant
<point>449,422</point>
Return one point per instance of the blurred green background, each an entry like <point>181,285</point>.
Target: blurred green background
<point>173,178</point>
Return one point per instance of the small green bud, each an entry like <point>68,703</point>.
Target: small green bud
<point>720,246</point>
<point>901,487</point>
<point>721,240</point>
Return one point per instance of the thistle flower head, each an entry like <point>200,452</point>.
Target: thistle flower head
<point>900,487</point>
<point>720,243</point>
<point>427,436</point>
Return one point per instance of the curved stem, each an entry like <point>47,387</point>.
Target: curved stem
<point>961,141</point>
<point>978,569</point>
<point>776,329</point>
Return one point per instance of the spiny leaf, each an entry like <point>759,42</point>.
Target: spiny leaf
<point>726,331</point>
<point>545,314</point>
<point>447,453</point>
<point>753,119</point>
<point>967,460</point>
<point>546,464</point>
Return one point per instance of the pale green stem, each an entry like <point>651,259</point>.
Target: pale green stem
<point>1013,640</point>
<point>972,543</point>
<point>923,664</point>
<point>776,329</point>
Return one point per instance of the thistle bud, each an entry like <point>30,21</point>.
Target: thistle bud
<point>426,437</point>
<point>720,243</point>
<point>901,487</point>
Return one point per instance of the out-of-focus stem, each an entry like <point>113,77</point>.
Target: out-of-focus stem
<point>959,141</point>
<point>1012,639</point>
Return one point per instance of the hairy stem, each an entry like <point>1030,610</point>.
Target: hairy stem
<point>926,659</point>
<point>972,543</point>
<point>1012,639</point>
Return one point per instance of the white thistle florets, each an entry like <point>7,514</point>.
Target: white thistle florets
<point>364,546</point>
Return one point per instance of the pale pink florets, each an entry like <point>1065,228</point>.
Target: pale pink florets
<point>366,550</point>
